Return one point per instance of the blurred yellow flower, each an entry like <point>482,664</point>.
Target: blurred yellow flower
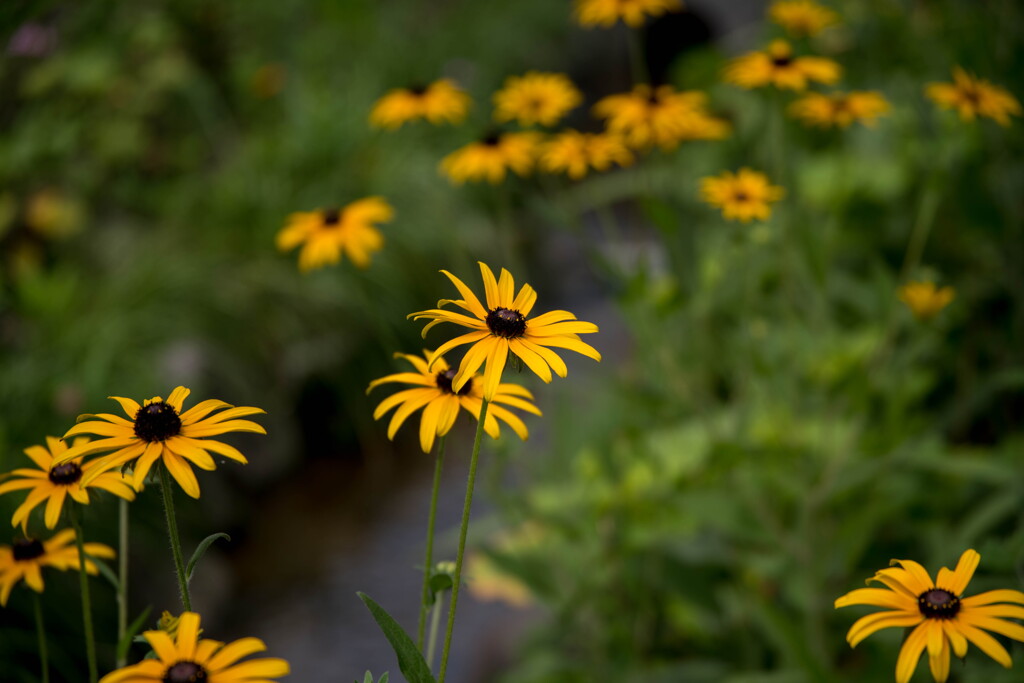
<point>328,233</point>
<point>779,67</point>
<point>606,13</point>
<point>439,102</point>
<point>659,116</point>
<point>973,97</point>
<point>488,583</point>
<point>802,17</point>
<point>575,153</point>
<point>839,109</point>
<point>492,157</point>
<point>52,215</point>
<point>26,558</point>
<point>536,97</point>
<point>268,81</point>
<point>743,196</point>
<point>924,299</point>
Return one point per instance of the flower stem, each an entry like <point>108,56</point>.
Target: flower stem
<point>435,621</point>
<point>83,579</point>
<point>172,532</point>
<point>457,579</point>
<point>44,659</point>
<point>922,227</point>
<point>122,577</point>
<point>637,59</point>
<point>429,559</point>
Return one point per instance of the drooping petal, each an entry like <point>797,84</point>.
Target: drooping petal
<point>232,652</point>
<point>428,424</point>
<point>989,597</point>
<point>54,506</point>
<point>877,597</point>
<point>939,661</point>
<point>205,429</point>
<point>1000,626</point>
<point>531,358</point>
<point>182,474</point>
<point>956,639</point>
<point>201,410</point>
<point>865,626</point>
<point>910,653</point>
<point>985,642</point>
<point>495,367</point>
<point>468,338</point>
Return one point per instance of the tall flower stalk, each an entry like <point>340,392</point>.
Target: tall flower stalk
<point>429,556</point>
<point>83,579</point>
<point>172,533</point>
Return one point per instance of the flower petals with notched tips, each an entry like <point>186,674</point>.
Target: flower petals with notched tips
<point>328,233</point>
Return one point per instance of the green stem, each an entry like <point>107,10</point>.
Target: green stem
<point>457,579</point>
<point>44,659</point>
<point>122,577</point>
<point>429,559</point>
<point>637,62</point>
<point>435,621</point>
<point>83,579</point>
<point>172,532</point>
<point>922,227</point>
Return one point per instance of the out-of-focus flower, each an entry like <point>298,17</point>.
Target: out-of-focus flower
<point>491,157</point>
<point>575,154</point>
<point>606,13</point>
<point>660,116</point>
<point>536,97</point>
<point>487,583</point>
<point>52,215</point>
<point>25,559</point>
<point>268,80</point>
<point>778,66</point>
<point>439,102</point>
<point>972,97</point>
<point>743,196</point>
<point>839,109</point>
<point>802,17</point>
<point>326,234</point>
<point>924,299</point>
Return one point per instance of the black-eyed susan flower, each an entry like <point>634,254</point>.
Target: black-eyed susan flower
<point>503,327</point>
<point>802,17</point>
<point>925,299</point>
<point>440,401</point>
<point>742,196</point>
<point>972,97</point>
<point>440,102</point>
<point>26,557</point>
<point>536,98</point>
<point>160,430</point>
<point>941,618</point>
<point>575,154</point>
<point>492,157</point>
<point>328,233</point>
<point>53,483</point>
<point>778,66</point>
<point>839,109</point>
<point>606,13</point>
<point>660,116</point>
<point>187,658</point>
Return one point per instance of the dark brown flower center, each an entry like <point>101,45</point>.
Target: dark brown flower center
<point>157,422</point>
<point>26,549</point>
<point>419,90</point>
<point>491,140</point>
<point>66,474</point>
<point>938,604</point>
<point>781,61</point>
<point>741,196</point>
<point>185,672</point>
<point>332,216</point>
<point>444,383</point>
<point>504,322</point>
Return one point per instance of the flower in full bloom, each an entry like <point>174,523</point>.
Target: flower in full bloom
<point>743,196</point>
<point>491,157</point>
<point>26,558</point>
<point>440,102</point>
<point>503,327</point>
<point>433,392</point>
<point>802,17</point>
<point>536,97</point>
<point>606,13</point>
<point>839,109</point>
<point>660,116</point>
<point>972,97</point>
<point>574,153</point>
<point>187,658</point>
<point>159,430</point>
<point>941,617</point>
<point>778,66</point>
<point>54,483</point>
<point>327,233</point>
<point>924,299</point>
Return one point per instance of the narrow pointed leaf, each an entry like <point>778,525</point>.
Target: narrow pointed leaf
<point>410,661</point>
<point>129,634</point>
<point>201,550</point>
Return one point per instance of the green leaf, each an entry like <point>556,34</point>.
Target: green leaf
<point>129,634</point>
<point>201,550</point>
<point>105,569</point>
<point>410,661</point>
<point>383,678</point>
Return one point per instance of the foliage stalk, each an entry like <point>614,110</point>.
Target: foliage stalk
<point>429,558</point>
<point>122,577</point>
<point>44,658</point>
<point>172,532</point>
<point>83,580</point>
<point>435,621</point>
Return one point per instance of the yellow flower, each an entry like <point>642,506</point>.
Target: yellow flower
<point>777,66</point>
<point>973,97</point>
<point>440,402</point>
<point>492,157</point>
<point>924,299</point>
<point>159,430</point>
<point>329,232</point>
<point>839,109</point>
<point>575,153</point>
<point>27,557</point>
<point>802,17</point>
<point>742,196</point>
<point>590,13</point>
<point>185,657</point>
<point>645,117</point>
<point>536,97</point>
<point>942,618</point>
<point>53,483</point>
<point>503,327</point>
<point>440,102</point>
<point>488,583</point>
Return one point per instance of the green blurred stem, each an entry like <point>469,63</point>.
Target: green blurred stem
<point>457,579</point>
<point>122,576</point>
<point>637,63</point>
<point>44,658</point>
<point>172,532</point>
<point>83,579</point>
<point>429,559</point>
<point>435,621</point>
<point>922,227</point>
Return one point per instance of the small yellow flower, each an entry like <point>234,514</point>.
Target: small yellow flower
<point>742,196</point>
<point>536,97</point>
<point>606,13</point>
<point>575,153</point>
<point>973,97</point>
<point>839,109</point>
<point>659,116</point>
<point>778,67</point>
<point>53,215</point>
<point>327,233</point>
<point>27,557</point>
<point>440,102</point>
<point>802,17</point>
<point>491,157</point>
<point>488,583</point>
<point>924,299</point>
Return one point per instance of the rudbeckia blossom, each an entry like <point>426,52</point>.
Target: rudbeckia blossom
<point>327,233</point>
<point>802,17</point>
<point>160,430</point>
<point>492,157</point>
<point>839,109</point>
<point>575,154</point>
<point>972,97</point>
<point>440,401</point>
<point>25,559</point>
<point>941,618</point>
<point>779,67</point>
<point>924,299</point>
<point>660,116</point>
<point>503,327</point>
<point>440,102</point>
<point>187,658</point>
<point>606,13</point>
<point>53,483</point>
<point>743,196</point>
<point>536,97</point>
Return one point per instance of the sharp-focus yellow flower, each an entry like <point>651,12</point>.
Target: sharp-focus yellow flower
<point>839,109</point>
<point>973,97</point>
<point>574,153</point>
<point>647,116</point>
<point>777,66</point>
<point>802,17</point>
<point>187,657</point>
<point>941,617</point>
<point>536,97</point>
<point>503,327</point>
<point>159,430</point>
<point>743,196</point>
<point>606,13</point>
<point>440,102</point>
<point>329,232</point>
<point>492,157</point>
<point>27,557</point>
<point>53,483</point>
<point>440,402</point>
<point>924,299</point>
